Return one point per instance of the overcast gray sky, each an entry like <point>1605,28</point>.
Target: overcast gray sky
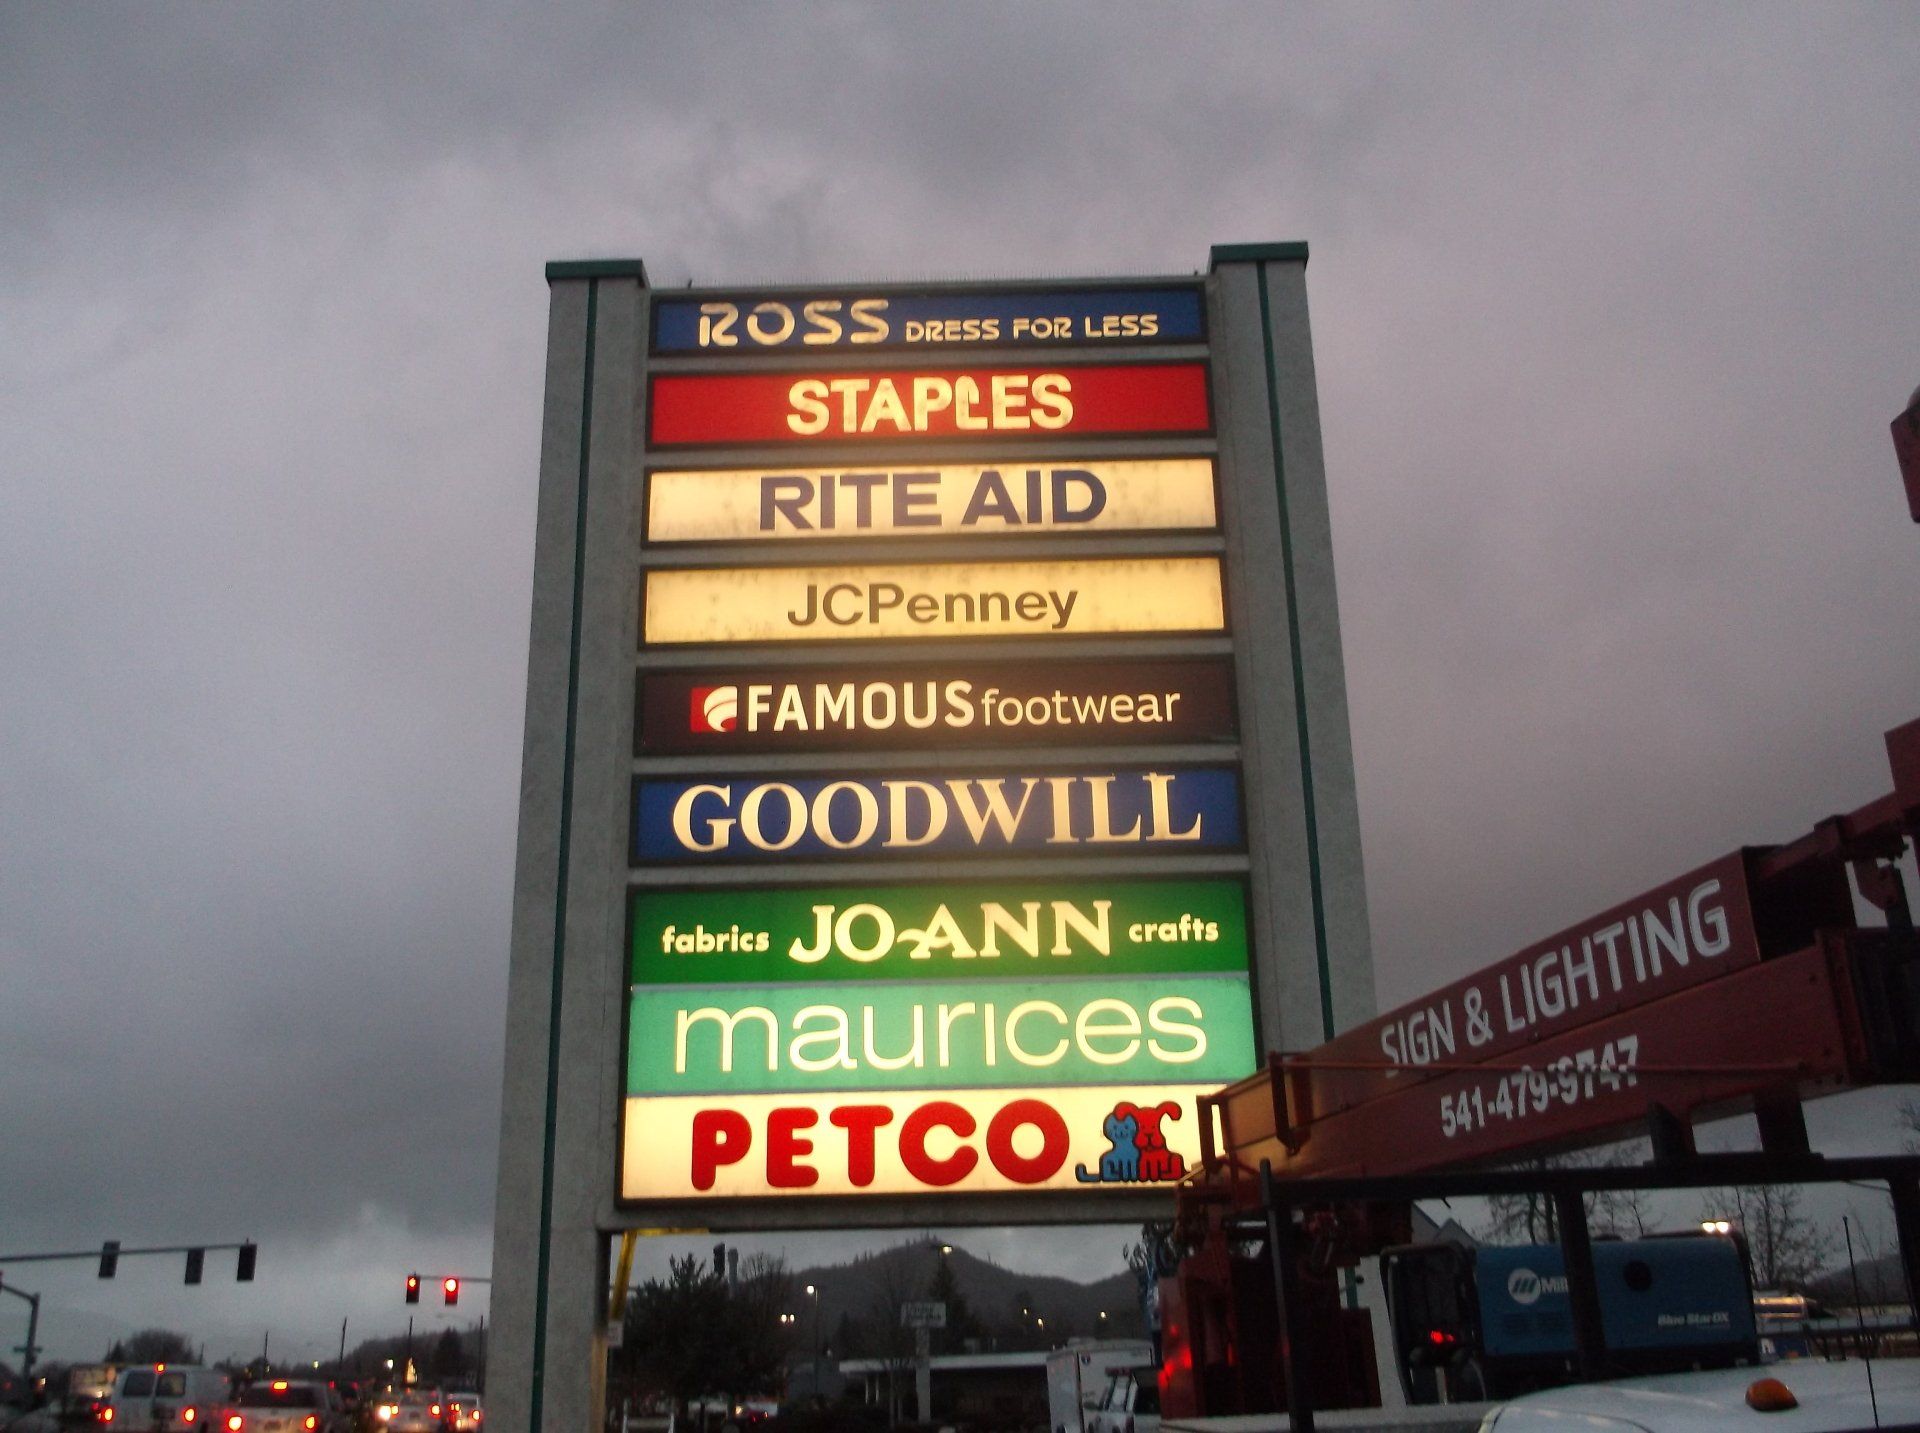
<point>1612,306</point>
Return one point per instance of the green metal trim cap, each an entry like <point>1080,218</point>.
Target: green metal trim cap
<point>1288,251</point>
<point>598,269</point>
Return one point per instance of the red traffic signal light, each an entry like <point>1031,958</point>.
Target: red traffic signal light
<point>413,1288</point>
<point>451,1288</point>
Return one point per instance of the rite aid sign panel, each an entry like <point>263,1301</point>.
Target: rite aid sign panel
<point>738,327</point>
<point>737,709</point>
<point>1122,495</point>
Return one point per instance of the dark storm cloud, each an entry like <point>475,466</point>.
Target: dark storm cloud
<point>1612,307</point>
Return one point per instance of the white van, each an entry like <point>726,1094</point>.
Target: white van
<point>165,1398</point>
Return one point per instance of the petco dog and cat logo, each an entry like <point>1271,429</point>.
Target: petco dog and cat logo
<point>1139,1154</point>
<point>1525,1287</point>
<point>714,709</point>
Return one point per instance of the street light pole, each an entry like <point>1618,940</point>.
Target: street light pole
<point>814,1294</point>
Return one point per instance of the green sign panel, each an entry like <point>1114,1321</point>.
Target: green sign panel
<point>940,1035</point>
<point>956,931</point>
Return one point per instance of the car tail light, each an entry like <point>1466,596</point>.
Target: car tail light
<point>436,1410</point>
<point>106,1415</point>
<point>476,1415</point>
<point>311,1423</point>
<point>235,1423</point>
<point>189,1415</point>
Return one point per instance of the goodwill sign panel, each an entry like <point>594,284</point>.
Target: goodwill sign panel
<point>952,599</point>
<point>877,1143</point>
<point>1070,400</point>
<point>735,504</point>
<point>743,324</point>
<point>760,818</point>
<point>750,709</point>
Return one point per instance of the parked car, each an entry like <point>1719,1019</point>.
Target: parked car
<point>164,1398</point>
<point>1131,1403</point>
<point>284,1405</point>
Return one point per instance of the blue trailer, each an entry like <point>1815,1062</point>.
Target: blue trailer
<point>1493,1322</point>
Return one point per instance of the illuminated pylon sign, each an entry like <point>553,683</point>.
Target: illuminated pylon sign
<point>936,771</point>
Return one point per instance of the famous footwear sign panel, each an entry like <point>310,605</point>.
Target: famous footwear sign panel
<point>759,818</point>
<point>737,709</point>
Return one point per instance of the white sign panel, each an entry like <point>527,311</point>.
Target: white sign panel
<point>996,497</point>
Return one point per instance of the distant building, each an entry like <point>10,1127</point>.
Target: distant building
<point>973,1387</point>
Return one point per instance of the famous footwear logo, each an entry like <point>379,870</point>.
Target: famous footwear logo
<point>714,709</point>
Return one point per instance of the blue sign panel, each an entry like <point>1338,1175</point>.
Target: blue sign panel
<point>746,324</point>
<point>751,818</point>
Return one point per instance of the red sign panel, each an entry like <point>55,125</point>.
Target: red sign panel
<point>1697,928</point>
<point>1778,1024</point>
<point>995,403</point>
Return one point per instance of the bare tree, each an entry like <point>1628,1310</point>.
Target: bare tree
<point>1531,1217</point>
<point>1785,1246</point>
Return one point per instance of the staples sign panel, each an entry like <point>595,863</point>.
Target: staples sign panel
<point>976,403</point>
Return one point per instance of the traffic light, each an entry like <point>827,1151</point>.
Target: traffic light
<point>109,1258</point>
<point>451,1288</point>
<point>244,1272</point>
<point>413,1288</point>
<point>196,1261</point>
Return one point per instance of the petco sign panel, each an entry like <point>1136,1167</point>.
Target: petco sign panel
<point>1107,1137</point>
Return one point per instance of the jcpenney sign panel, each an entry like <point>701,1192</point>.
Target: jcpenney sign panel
<point>756,818</point>
<point>926,706</point>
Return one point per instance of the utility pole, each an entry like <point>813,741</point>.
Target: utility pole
<point>340,1362</point>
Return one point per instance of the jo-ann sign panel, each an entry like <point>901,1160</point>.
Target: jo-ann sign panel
<point>944,599</point>
<point>1051,1035</point>
<point>1139,494</point>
